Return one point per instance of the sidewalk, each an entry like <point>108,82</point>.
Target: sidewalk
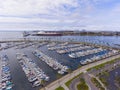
<point>98,80</point>
<point>65,87</point>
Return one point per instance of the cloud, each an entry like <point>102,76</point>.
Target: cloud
<point>54,14</point>
<point>26,7</point>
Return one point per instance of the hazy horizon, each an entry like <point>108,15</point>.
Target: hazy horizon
<point>60,30</point>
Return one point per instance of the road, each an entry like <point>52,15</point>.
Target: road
<point>89,82</point>
<point>74,83</point>
<point>92,76</point>
<point>67,77</point>
<point>107,67</point>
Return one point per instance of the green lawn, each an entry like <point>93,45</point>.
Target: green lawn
<point>68,82</point>
<point>103,64</point>
<point>60,88</point>
<point>104,81</point>
<point>82,85</point>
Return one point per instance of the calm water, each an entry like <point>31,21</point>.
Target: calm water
<point>10,35</point>
<point>113,41</point>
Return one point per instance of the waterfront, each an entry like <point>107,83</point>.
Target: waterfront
<point>18,76</point>
<point>112,41</point>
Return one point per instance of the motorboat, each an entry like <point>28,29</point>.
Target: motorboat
<point>36,83</point>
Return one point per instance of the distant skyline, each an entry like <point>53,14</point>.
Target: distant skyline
<point>60,15</point>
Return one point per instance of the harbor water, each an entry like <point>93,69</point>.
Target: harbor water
<point>113,41</point>
<point>18,76</point>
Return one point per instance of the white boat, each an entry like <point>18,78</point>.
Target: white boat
<point>50,61</point>
<point>36,83</point>
<point>32,71</point>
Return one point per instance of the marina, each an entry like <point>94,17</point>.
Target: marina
<point>34,74</point>
<point>63,47</point>
<point>24,45</point>
<point>43,61</point>
<point>68,50</point>
<point>85,53</point>
<point>51,62</point>
<point>98,57</point>
<point>5,74</point>
<point>59,45</point>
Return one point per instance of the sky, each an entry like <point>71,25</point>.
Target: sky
<point>60,15</point>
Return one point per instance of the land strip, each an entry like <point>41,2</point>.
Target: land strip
<point>67,77</point>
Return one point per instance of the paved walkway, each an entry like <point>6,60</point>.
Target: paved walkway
<point>89,82</point>
<point>98,80</point>
<point>67,77</point>
<point>65,87</point>
<point>107,67</point>
<point>74,83</point>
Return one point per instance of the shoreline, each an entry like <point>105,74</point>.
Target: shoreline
<point>67,77</point>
